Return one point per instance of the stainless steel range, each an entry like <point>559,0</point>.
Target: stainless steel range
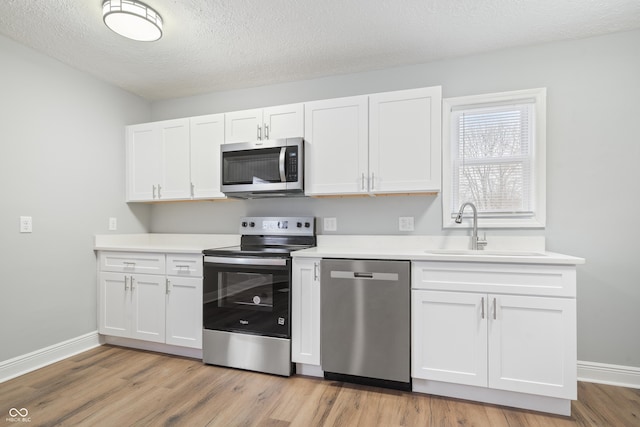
<point>247,298</point>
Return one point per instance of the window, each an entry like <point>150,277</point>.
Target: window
<point>494,157</point>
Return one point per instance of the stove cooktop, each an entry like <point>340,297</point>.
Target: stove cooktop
<point>269,236</point>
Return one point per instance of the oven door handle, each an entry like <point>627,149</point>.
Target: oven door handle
<point>283,175</point>
<point>245,261</point>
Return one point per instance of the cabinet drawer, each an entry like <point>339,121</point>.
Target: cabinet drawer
<point>132,262</point>
<point>517,279</point>
<point>184,265</point>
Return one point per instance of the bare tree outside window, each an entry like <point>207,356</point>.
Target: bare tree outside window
<point>493,159</point>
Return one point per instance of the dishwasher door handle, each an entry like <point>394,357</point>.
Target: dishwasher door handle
<point>352,275</point>
<point>365,275</point>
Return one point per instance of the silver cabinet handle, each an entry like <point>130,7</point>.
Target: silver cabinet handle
<point>126,288</point>
<point>373,180</point>
<point>193,187</point>
<point>132,287</point>
<point>266,131</point>
<point>482,302</point>
<point>316,271</point>
<point>259,132</point>
<point>494,309</point>
<point>159,188</point>
<point>363,181</point>
<point>167,285</point>
<point>154,191</point>
<point>283,175</point>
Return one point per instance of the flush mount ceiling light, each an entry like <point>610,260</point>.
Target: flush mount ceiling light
<point>132,19</point>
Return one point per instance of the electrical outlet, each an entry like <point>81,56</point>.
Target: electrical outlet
<point>113,224</point>
<point>405,223</point>
<point>26,224</point>
<point>330,224</point>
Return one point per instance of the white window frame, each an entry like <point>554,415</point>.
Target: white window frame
<point>538,220</point>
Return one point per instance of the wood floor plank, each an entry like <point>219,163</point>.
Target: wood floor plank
<point>110,386</point>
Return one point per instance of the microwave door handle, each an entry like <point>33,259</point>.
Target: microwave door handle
<point>283,175</point>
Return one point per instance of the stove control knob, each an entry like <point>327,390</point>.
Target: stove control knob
<point>252,224</point>
<point>307,224</point>
<point>244,223</point>
<point>299,225</point>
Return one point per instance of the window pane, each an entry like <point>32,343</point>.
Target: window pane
<point>495,188</point>
<point>492,152</point>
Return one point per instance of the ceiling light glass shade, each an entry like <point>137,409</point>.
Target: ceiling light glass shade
<point>132,19</point>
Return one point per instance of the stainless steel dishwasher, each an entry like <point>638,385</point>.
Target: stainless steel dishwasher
<point>365,322</point>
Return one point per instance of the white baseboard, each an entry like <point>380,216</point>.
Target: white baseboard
<point>621,376</point>
<point>45,356</point>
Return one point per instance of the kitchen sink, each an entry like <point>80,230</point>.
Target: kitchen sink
<point>484,252</point>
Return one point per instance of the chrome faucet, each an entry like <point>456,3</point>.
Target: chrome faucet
<point>476,243</point>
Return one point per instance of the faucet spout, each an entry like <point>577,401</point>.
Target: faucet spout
<point>476,243</point>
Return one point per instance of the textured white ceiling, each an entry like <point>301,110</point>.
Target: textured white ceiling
<point>211,45</point>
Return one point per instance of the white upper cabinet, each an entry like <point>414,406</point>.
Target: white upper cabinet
<point>405,141</point>
<point>284,121</point>
<point>175,159</point>
<point>158,161</point>
<point>336,149</point>
<point>207,134</point>
<point>143,162</point>
<point>176,162</point>
<point>376,144</point>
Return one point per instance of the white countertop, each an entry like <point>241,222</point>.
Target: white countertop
<point>501,249</point>
<point>159,242</point>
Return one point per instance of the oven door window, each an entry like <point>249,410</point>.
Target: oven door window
<point>252,299</point>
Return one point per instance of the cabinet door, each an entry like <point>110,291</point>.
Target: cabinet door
<point>148,307</point>
<point>176,169</point>
<point>305,311</point>
<point>283,121</point>
<point>143,162</point>
<point>243,126</point>
<point>449,337</point>
<point>405,140</point>
<point>114,305</point>
<point>184,311</point>
<point>532,345</point>
<point>207,134</point>
<point>336,156</point>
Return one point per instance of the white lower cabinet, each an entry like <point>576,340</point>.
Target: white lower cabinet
<point>132,306</point>
<point>521,339</point>
<point>184,311</point>
<point>506,342</point>
<point>165,307</point>
<point>305,311</point>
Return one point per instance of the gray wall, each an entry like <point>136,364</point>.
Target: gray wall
<point>592,154</point>
<point>62,162</point>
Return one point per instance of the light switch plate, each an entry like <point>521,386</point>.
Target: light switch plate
<point>26,224</point>
<point>405,223</point>
<point>330,224</point>
<point>113,224</point>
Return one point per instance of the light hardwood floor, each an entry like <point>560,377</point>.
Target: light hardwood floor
<point>114,386</point>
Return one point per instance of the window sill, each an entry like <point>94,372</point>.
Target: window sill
<point>495,223</point>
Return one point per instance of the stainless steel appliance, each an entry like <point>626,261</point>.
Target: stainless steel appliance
<point>365,322</point>
<point>247,298</point>
<point>272,168</point>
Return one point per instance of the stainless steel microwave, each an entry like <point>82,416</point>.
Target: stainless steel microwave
<point>258,169</point>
